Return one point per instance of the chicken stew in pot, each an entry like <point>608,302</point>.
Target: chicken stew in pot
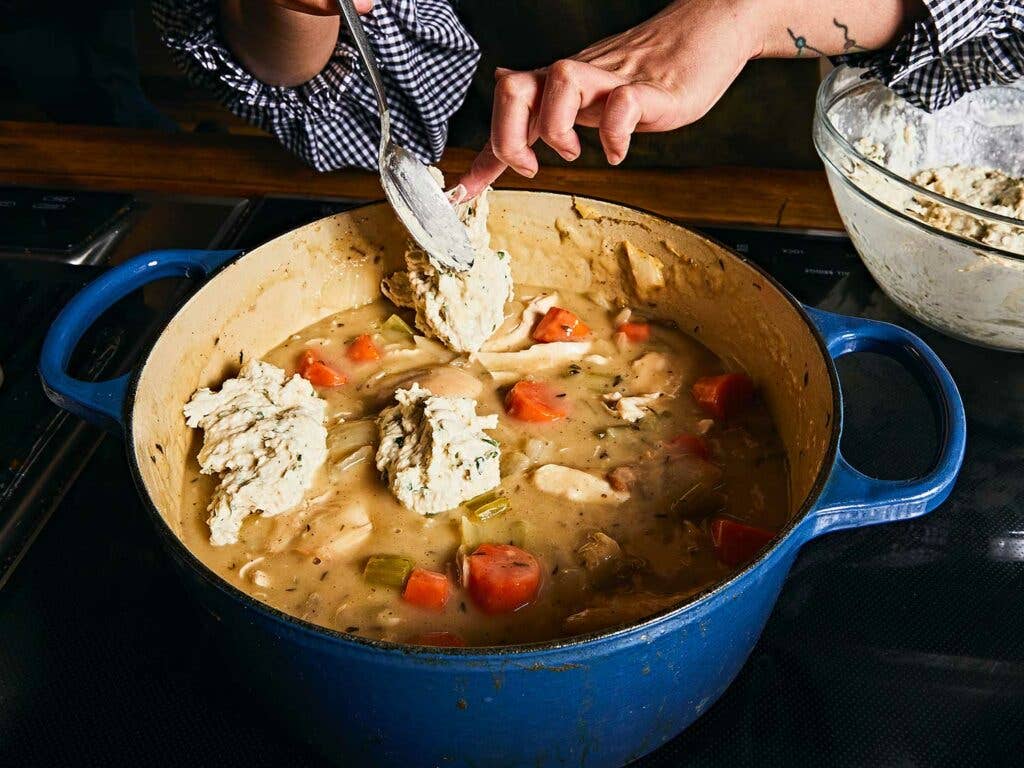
<point>497,467</point>
<point>632,470</point>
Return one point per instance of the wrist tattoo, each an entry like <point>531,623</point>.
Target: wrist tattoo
<point>801,44</point>
<point>849,44</point>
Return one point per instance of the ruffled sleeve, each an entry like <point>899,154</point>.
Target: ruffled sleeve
<point>959,46</point>
<point>426,57</point>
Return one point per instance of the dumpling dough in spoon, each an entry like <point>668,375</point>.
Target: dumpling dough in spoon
<point>462,309</point>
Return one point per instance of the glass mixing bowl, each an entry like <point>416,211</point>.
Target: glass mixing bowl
<point>968,284</point>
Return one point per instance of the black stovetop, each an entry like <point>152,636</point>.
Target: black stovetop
<point>899,644</point>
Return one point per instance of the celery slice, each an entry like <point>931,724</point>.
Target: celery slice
<point>397,326</point>
<point>478,501</point>
<point>387,570</point>
<point>487,505</point>
<point>493,508</point>
<point>470,532</point>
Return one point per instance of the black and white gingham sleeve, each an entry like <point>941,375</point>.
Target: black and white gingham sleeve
<point>426,56</point>
<point>959,46</point>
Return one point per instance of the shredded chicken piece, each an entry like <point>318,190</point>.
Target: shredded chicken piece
<point>539,357</point>
<point>310,606</point>
<point>632,408</point>
<point>339,529</point>
<point>245,568</point>
<point>647,270</point>
<point>518,336</point>
<point>514,463</point>
<point>576,485</point>
<point>598,551</point>
<point>623,478</point>
<point>651,373</point>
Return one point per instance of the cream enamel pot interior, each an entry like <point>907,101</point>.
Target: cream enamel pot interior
<point>596,700</point>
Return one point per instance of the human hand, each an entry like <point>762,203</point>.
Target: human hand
<point>662,74</point>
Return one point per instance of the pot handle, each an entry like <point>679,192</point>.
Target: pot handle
<point>102,402</point>
<point>851,498</point>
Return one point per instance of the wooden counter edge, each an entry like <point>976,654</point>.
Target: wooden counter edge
<point>89,157</point>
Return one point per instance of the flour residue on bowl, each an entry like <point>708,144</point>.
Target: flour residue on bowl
<point>932,201</point>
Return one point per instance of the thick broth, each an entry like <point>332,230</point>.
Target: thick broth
<point>663,529</point>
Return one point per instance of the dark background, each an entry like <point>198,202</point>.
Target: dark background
<point>103,63</point>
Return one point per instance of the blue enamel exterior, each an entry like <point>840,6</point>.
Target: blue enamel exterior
<point>597,701</point>
<point>103,402</point>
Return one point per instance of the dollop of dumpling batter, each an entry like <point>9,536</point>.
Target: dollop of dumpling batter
<point>986,188</point>
<point>434,453</point>
<point>265,437</point>
<point>462,309</point>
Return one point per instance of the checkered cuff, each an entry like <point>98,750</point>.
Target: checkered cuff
<point>426,57</point>
<point>961,45</point>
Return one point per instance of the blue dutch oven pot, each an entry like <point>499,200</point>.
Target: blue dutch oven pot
<point>597,700</point>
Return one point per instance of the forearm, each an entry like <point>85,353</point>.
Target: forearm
<point>279,46</point>
<point>830,27</point>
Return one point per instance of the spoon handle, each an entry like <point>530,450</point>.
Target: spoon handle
<point>355,28</point>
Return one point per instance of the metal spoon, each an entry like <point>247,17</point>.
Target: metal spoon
<point>414,194</point>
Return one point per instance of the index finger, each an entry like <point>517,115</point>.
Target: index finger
<point>486,168</point>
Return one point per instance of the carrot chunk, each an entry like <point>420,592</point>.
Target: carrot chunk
<point>441,639</point>
<point>737,543</point>
<point>363,350</point>
<point>636,332</point>
<point>427,589</point>
<point>533,401</point>
<point>502,578</point>
<point>560,325</point>
<point>318,373</point>
<point>686,444</point>
<point>724,396</point>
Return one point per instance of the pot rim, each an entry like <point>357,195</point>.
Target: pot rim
<point>189,558</point>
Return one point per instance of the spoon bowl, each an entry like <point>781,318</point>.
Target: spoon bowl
<point>414,194</point>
